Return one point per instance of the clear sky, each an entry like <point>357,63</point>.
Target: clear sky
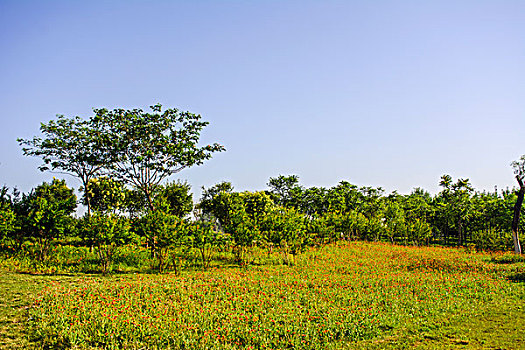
<point>378,93</point>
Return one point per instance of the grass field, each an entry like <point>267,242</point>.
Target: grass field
<point>349,295</point>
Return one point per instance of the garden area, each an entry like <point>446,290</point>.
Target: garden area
<point>143,266</point>
<point>342,295</point>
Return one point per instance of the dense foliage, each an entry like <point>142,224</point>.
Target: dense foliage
<point>288,221</point>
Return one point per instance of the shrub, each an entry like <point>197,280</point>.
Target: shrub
<point>44,214</point>
<point>107,233</point>
<point>202,236</point>
<point>7,222</point>
<point>162,231</point>
<point>175,198</point>
<point>491,239</point>
<point>286,228</point>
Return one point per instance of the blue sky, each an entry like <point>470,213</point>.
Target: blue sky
<point>378,93</point>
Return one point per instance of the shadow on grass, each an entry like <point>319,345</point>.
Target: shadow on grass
<point>36,273</point>
<point>508,259</point>
<point>517,277</point>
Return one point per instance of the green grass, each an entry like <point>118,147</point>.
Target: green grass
<point>17,295</point>
<point>347,296</point>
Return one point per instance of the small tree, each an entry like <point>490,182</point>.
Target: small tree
<point>7,215</point>
<point>7,222</point>
<point>163,231</point>
<point>240,215</point>
<point>519,171</point>
<point>286,228</point>
<point>208,202</point>
<point>107,232</point>
<point>204,238</point>
<point>284,189</point>
<point>177,198</point>
<point>457,203</point>
<point>15,212</point>
<point>46,214</point>
<point>135,203</point>
<point>395,222</point>
<point>419,231</point>
<point>104,194</point>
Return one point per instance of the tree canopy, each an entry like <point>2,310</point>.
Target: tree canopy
<point>68,145</point>
<point>140,149</point>
<point>146,148</point>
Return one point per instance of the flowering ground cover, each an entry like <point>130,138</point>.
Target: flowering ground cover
<point>349,295</point>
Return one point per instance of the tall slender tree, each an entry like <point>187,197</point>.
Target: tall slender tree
<point>519,171</point>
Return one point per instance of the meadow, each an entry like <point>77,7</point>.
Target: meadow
<point>344,295</point>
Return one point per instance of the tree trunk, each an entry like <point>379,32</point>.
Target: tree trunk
<point>85,183</point>
<point>516,219</point>
<point>88,202</point>
<point>460,232</point>
<point>149,199</point>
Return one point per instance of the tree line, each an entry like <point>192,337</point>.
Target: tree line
<point>123,159</point>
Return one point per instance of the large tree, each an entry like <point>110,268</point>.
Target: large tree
<point>519,170</point>
<point>146,148</point>
<point>70,146</point>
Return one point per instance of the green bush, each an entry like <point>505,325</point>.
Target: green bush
<point>175,198</point>
<point>491,239</point>
<point>287,229</point>
<point>7,222</point>
<point>202,236</point>
<point>107,232</point>
<point>45,214</point>
<point>162,232</point>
